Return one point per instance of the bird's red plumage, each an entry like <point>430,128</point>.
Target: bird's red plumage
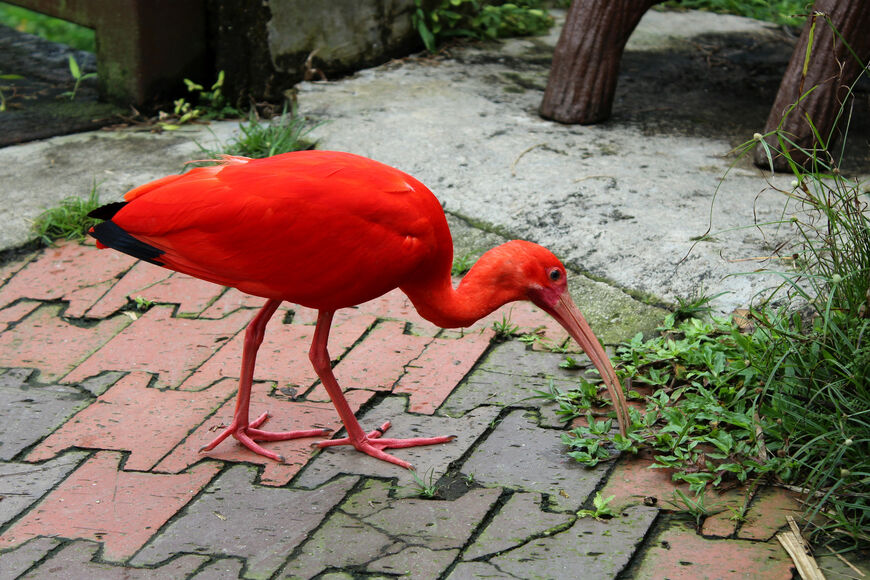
<point>293,225</point>
<point>330,230</point>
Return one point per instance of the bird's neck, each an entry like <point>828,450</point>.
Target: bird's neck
<point>480,292</point>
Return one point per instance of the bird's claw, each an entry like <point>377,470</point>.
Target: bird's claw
<point>249,434</point>
<point>373,444</point>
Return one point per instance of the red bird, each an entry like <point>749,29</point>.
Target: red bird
<point>329,230</point>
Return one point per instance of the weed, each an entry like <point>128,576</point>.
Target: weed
<point>696,508</point>
<point>462,264</point>
<point>77,75</point>
<point>570,363</point>
<point>69,220</point>
<point>427,488</point>
<point>571,403</point>
<point>783,12</point>
<point>504,328</point>
<point>265,139</point>
<point>142,304</point>
<point>601,510</point>
<point>210,104</point>
<point>479,19</point>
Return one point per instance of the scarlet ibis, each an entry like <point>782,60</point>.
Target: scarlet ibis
<point>329,230</point>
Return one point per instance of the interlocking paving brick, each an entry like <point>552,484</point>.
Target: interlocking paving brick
<point>285,415</point>
<point>432,376</point>
<point>22,484</point>
<point>521,455</point>
<point>680,553</point>
<point>30,412</point>
<point>18,560</point>
<point>48,343</point>
<point>232,300</point>
<point>223,569</point>
<point>141,276</point>
<point>601,549</point>
<point>528,318</point>
<point>633,479</point>
<point>767,513</point>
<point>100,502</point>
<point>9,269</point>
<point>719,525</point>
<point>509,375</point>
<point>283,355</point>
<point>16,312</point>
<point>394,305</point>
<point>76,560</point>
<point>428,459</point>
<point>474,570</point>
<point>191,294</point>
<point>378,362</point>
<point>132,416</point>
<point>415,561</point>
<point>159,343</point>
<point>74,272</point>
<point>234,517</point>
<point>375,532</point>
<point>519,519</point>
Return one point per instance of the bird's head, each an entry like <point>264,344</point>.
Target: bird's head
<point>520,270</point>
<point>537,275</point>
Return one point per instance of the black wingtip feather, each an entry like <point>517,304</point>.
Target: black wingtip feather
<point>113,236</point>
<point>108,211</point>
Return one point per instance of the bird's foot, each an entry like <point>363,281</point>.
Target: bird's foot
<point>373,444</point>
<point>248,434</point>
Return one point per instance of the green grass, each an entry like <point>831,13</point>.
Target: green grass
<point>53,29</point>
<point>264,138</point>
<point>69,220</point>
<point>783,12</point>
<point>479,19</point>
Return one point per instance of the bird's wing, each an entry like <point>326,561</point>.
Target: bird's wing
<point>299,226</point>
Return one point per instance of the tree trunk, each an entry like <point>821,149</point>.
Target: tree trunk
<point>586,61</point>
<point>831,70</point>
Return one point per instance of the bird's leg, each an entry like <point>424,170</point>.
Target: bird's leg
<point>245,431</point>
<point>372,443</point>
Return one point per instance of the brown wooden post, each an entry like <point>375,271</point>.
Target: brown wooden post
<point>586,62</point>
<point>831,69</point>
<point>144,47</point>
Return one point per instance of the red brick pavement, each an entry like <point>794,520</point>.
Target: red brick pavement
<point>66,312</point>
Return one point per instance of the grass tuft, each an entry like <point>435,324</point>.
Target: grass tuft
<point>69,220</point>
<point>261,139</point>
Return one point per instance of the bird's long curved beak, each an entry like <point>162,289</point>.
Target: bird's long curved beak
<point>569,316</point>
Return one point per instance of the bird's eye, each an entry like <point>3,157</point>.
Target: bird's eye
<point>555,274</point>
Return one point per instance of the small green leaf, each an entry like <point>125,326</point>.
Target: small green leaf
<point>74,67</point>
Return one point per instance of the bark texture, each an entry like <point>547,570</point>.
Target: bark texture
<point>831,69</point>
<point>586,62</point>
